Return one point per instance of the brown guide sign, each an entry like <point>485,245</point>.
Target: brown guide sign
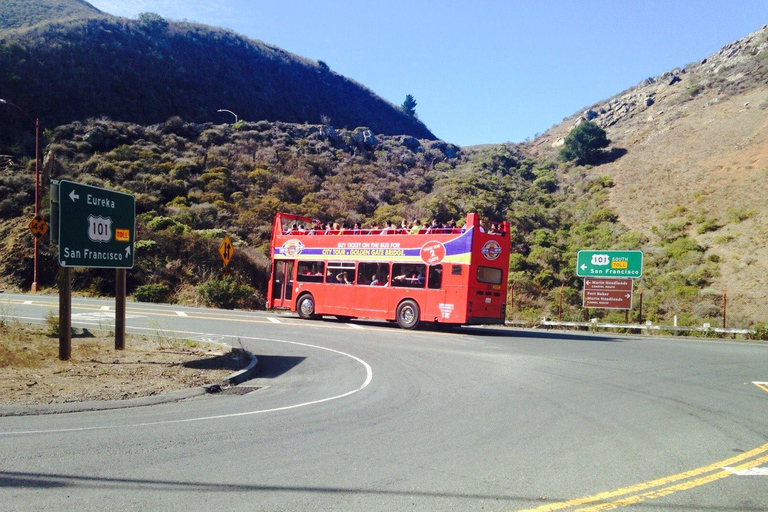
<point>608,293</point>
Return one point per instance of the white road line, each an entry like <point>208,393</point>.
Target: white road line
<point>748,472</point>
<point>27,302</point>
<point>181,313</point>
<point>355,326</point>
<point>274,320</point>
<point>368,379</point>
<point>105,308</point>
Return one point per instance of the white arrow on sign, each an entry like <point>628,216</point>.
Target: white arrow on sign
<point>583,266</point>
<point>128,251</point>
<point>73,196</point>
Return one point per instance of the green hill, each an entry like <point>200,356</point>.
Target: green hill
<point>23,13</point>
<point>81,64</point>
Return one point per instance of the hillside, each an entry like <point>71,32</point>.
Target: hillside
<point>684,180</point>
<point>696,163</point>
<point>147,70</point>
<point>23,13</point>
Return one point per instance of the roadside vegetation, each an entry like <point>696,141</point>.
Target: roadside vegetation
<point>196,183</point>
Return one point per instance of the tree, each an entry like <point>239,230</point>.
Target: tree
<point>409,106</point>
<point>585,144</point>
<point>152,22</point>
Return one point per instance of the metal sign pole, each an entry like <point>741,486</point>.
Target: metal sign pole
<point>120,309</point>
<point>65,313</point>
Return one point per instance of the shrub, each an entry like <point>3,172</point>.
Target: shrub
<point>761,332</point>
<point>152,293</point>
<point>162,223</point>
<point>585,144</point>
<point>225,293</point>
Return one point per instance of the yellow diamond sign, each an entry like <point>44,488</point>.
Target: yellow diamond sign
<point>226,250</point>
<point>38,226</point>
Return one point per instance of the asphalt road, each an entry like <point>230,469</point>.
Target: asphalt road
<point>366,417</point>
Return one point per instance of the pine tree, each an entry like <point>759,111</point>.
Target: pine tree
<point>409,105</point>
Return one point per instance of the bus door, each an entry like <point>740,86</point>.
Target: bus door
<point>435,304</point>
<point>339,298</point>
<point>282,283</point>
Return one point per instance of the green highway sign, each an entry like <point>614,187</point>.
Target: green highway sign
<point>97,226</point>
<point>609,264</point>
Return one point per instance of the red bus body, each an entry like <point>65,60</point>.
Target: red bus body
<point>452,276</point>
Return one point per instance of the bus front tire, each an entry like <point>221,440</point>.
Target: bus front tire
<point>306,307</point>
<point>408,314</point>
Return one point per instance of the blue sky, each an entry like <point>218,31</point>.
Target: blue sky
<point>482,71</point>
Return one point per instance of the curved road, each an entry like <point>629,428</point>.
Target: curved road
<point>365,416</point>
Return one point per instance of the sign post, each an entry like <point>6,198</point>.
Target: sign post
<point>96,228</point>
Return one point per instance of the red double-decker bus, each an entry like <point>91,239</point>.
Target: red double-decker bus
<point>452,276</point>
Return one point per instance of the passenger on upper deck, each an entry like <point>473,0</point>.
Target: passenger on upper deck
<point>434,227</point>
<point>416,227</point>
<point>389,229</point>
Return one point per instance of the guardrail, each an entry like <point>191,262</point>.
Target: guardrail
<point>647,328</point>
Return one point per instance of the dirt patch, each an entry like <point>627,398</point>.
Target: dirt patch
<point>31,372</point>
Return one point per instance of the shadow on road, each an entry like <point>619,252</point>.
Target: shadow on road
<point>23,480</point>
<point>271,367</point>
<point>542,335</point>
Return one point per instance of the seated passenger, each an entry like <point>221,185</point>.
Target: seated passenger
<point>342,278</point>
<point>416,227</point>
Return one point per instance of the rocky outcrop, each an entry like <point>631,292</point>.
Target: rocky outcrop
<point>732,65</point>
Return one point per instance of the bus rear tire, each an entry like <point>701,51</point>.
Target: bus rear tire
<point>305,307</point>
<point>408,314</point>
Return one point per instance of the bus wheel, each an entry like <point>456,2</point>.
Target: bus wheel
<point>306,307</point>
<point>408,314</point>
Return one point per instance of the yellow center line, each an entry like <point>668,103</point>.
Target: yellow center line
<point>762,385</point>
<point>668,485</point>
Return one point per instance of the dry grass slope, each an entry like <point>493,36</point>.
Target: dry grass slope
<point>697,152</point>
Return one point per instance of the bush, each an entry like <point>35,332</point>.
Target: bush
<point>761,332</point>
<point>152,293</point>
<point>585,144</point>
<point>225,293</point>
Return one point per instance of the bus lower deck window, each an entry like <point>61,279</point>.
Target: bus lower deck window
<point>310,271</point>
